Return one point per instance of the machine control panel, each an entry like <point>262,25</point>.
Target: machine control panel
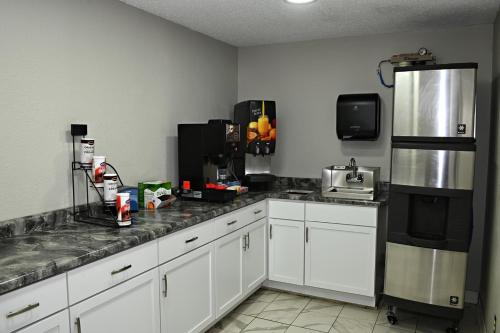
<point>232,133</point>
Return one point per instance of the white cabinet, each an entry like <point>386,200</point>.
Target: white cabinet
<point>286,251</point>
<point>24,306</point>
<point>286,209</point>
<point>340,257</point>
<point>179,243</point>
<point>255,255</point>
<point>187,292</point>
<point>342,214</point>
<point>110,271</point>
<point>229,270</point>
<point>130,307</point>
<point>57,323</point>
<point>240,264</point>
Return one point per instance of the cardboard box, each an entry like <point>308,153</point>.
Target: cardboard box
<point>154,194</point>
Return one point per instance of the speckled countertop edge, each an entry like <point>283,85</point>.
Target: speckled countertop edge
<point>40,254</point>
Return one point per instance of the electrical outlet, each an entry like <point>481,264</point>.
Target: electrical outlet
<point>494,324</point>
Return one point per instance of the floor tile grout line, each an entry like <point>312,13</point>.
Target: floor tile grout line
<point>307,328</point>
<point>336,318</point>
<point>305,306</point>
<point>251,321</point>
<point>275,321</point>
<point>419,320</point>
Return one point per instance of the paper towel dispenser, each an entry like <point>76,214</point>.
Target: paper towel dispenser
<point>358,117</point>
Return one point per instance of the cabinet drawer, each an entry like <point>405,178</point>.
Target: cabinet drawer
<point>26,305</point>
<point>228,223</point>
<point>90,279</point>
<point>238,219</point>
<point>57,323</point>
<point>184,241</point>
<point>343,214</point>
<point>254,213</point>
<point>287,210</point>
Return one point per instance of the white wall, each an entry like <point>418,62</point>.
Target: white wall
<point>131,76</point>
<point>490,291</point>
<point>306,78</point>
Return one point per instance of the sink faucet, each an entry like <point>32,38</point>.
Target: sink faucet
<point>354,168</point>
<point>353,177</point>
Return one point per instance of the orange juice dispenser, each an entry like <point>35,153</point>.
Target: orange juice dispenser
<point>257,119</point>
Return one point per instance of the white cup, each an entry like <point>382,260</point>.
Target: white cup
<point>98,170</point>
<point>123,209</point>
<point>110,188</point>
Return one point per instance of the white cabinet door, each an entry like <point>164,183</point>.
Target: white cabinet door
<point>286,251</point>
<point>24,306</point>
<point>130,307</point>
<point>57,323</point>
<point>187,292</point>
<point>340,257</point>
<point>255,255</point>
<point>228,271</point>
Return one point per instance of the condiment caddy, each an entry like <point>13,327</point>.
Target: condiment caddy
<point>114,210</point>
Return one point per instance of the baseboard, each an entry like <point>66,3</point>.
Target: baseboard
<point>471,297</point>
<point>322,293</point>
<point>482,319</point>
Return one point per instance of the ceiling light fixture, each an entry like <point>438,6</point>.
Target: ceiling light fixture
<point>299,2</point>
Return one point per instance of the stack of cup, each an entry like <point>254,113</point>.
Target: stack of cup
<point>107,181</point>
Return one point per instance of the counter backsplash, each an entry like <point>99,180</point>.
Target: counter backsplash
<point>53,219</point>
<point>312,183</point>
<point>38,222</point>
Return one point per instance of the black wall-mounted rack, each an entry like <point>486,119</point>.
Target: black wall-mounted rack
<point>101,214</point>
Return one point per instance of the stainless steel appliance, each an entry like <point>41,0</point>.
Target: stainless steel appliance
<point>351,181</point>
<point>438,103</point>
<point>430,204</point>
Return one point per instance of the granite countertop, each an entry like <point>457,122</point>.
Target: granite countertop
<point>56,248</point>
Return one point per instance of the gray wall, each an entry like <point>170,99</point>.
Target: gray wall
<point>490,291</point>
<point>306,78</point>
<point>131,76</point>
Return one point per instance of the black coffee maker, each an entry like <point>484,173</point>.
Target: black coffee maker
<point>206,155</point>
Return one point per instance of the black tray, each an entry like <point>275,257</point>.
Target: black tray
<point>212,195</point>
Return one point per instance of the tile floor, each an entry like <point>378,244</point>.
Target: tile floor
<point>269,311</point>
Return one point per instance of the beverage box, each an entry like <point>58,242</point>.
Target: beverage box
<point>154,194</point>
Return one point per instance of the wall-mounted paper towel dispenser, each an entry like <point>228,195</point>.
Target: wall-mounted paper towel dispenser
<point>358,117</point>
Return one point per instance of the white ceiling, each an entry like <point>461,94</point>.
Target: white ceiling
<point>254,22</point>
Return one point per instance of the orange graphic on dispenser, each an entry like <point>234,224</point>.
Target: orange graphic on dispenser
<point>262,127</point>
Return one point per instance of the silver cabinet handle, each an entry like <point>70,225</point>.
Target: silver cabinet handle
<point>165,285</point>
<point>191,239</point>
<point>123,269</point>
<point>257,211</point>
<point>23,310</point>
<point>244,242</point>
<point>248,239</point>
<point>78,325</point>
<point>270,231</point>
<point>307,234</point>
<point>232,222</point>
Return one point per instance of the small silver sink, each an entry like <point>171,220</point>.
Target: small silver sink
<point>350,181</point>
<point>349,193</point>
